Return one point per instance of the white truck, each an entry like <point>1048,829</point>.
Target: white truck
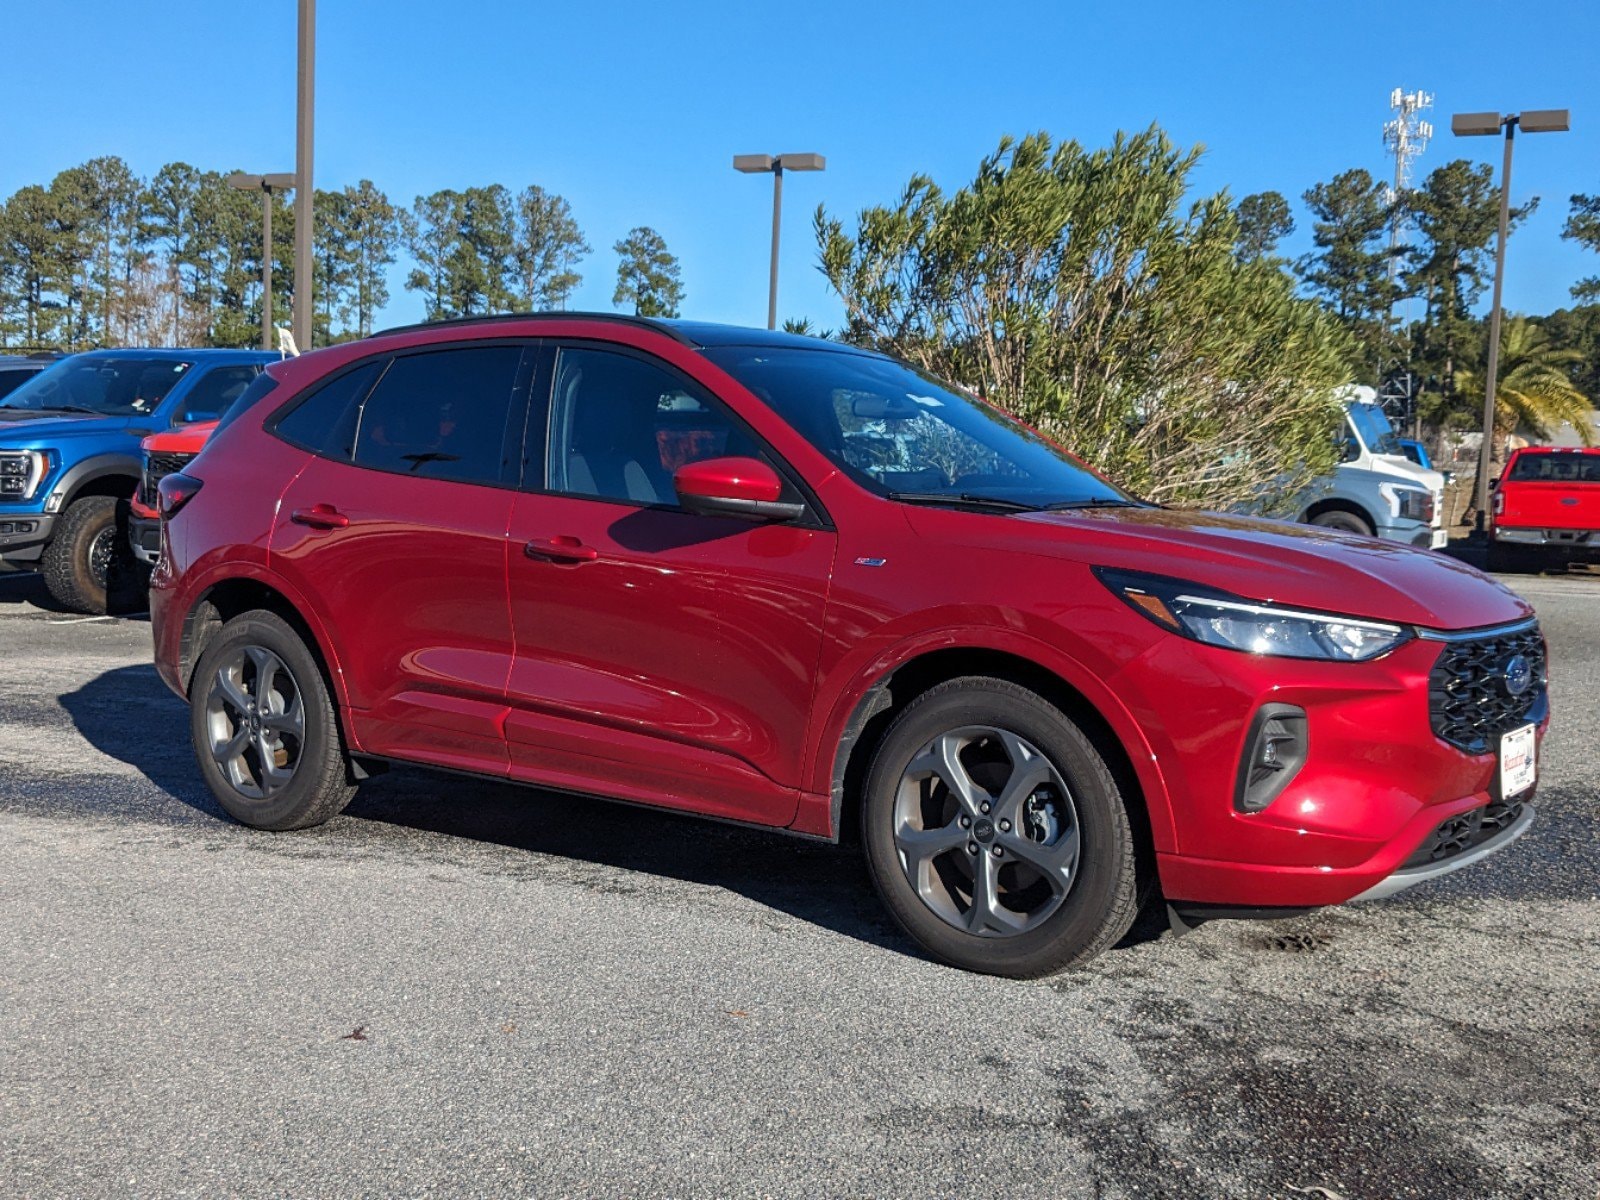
<point>1376,490</point>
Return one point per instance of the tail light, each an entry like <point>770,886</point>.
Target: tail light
<point>1499,504</point>
<point>174,492</point>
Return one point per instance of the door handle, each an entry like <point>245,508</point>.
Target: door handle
<point>560,549</point>
<point>320,516</point>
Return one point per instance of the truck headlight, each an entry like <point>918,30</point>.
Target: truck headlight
<point>1408,503</point>
<point>1205,616</point>
<point>21,473</point>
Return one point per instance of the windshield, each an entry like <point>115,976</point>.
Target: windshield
<point>1557,468</point>
<point>902,434</point>
<point>1373,427</point>
<point>120,386</point>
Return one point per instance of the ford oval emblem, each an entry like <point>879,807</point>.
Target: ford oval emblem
<point>1518,673</point>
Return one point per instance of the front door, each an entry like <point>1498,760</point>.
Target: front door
<point>661,656</point>
<point>396,534</point>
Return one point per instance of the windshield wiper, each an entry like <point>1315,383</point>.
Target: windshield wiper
<point>69,408</point>
<point>971,499</point>
<point>1092,502</point>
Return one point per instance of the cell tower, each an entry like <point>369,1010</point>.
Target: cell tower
<point>1405,136</point>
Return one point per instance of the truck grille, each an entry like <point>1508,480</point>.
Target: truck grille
<point>1469,702</point>
<point>156,468</point>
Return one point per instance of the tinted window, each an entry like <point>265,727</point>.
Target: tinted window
<point>896,430</point>
<point>442,415</point>
<point>115,386</point>
<point>12,379</point>
<point>325,421</point>
<point>259,387</point>
<point>211,394</point>
<point>620,426</point>
<point>1557,468</point>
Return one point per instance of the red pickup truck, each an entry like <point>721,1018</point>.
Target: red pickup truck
<point>165,454</point>
<point>1546,510</point>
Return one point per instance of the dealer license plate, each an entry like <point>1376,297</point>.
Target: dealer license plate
<point>1441,539</point>
<point>1518,761</point>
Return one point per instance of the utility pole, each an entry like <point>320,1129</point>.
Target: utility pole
<point>304,189</point>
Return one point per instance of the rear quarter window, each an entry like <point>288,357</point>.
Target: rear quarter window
<point>324,421</point>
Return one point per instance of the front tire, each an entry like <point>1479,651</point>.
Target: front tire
<point>996,834</point>
<point>89,566</point>
<point>264,728</point>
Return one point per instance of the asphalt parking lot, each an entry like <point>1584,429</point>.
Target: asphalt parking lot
<point>459,988</point>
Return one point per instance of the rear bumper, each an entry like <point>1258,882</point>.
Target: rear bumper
<point>23,537</point>
<point>1576,542</point>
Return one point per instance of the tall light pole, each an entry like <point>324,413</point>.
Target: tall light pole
<point>776,164</point>
<point>1487,124</point>
<point>266,185</point>
<point>304,190</point>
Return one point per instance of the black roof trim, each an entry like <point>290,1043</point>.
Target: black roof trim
<point>508,318</point>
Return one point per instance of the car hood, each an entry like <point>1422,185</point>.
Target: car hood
<point>184,439</point>
<point>22,423</point>
<point>1299,565</point>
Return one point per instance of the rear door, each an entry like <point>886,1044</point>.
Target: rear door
<point>661,656</point>
<point>396,534</point>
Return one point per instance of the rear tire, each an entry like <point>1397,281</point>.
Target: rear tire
<point>89,566</point>
<point>1035,820</point>
<point>1339,518</point>
<point>264,728</point>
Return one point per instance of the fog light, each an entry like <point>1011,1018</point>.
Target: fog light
<point>1275,750</point>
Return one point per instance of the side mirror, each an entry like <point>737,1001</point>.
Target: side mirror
<point>746,488</point>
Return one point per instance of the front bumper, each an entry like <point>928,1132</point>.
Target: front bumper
<point>1426,872</point>
<point>1375,786</point>
<point>144,534</point>
<point>23,537</point>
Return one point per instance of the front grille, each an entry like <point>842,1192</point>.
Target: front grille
<point>1460,834</point>
<point>156,468</point>
<point>1469,702</point>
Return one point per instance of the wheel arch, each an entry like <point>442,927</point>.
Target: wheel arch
<point>1093,707</point>
<point>114,475</point>
<point>1338,504</point>
<point>228,597</point>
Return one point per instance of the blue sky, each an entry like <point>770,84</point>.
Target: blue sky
<point>633,111</point>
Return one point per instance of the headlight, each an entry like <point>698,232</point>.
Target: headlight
<point>21,473</point>
<point>1238,624</point>
<point>1408,503</point>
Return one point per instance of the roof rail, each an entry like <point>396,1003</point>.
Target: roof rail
<point>503,318</point>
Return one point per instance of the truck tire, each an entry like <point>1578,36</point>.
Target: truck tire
<point>88,566</point>
<point>1342,519</point>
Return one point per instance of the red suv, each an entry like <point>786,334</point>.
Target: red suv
<point>785,582</point>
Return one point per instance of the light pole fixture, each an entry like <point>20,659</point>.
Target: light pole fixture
<point>1487,124</point>
<point>304,111</point>
<point>776,165</point>
<point>266,185</point>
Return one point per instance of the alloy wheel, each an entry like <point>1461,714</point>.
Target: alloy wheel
<point>986,831</point>
<point>255,722</point>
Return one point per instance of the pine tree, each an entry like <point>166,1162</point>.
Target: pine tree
<point>648,275</point>
<point>1264,221</point>
<point>1350,268</point>
<point>549,246</point>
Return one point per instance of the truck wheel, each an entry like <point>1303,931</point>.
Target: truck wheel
<point>996,834</point>
<point>264,729</point>
<point>89,566</point>
<point>1338,518</point>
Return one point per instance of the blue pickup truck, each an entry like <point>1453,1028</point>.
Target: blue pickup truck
<point>70,460</point>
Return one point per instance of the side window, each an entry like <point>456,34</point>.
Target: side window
<point>442,415</point>
<point>211,395</point>
<point>325,421</point>
<point>620,426</point>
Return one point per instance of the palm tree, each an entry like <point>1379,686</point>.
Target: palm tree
<point>1534,391</point>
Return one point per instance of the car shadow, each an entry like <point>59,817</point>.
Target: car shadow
<point>130,715</point>
<point>25,589</point>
